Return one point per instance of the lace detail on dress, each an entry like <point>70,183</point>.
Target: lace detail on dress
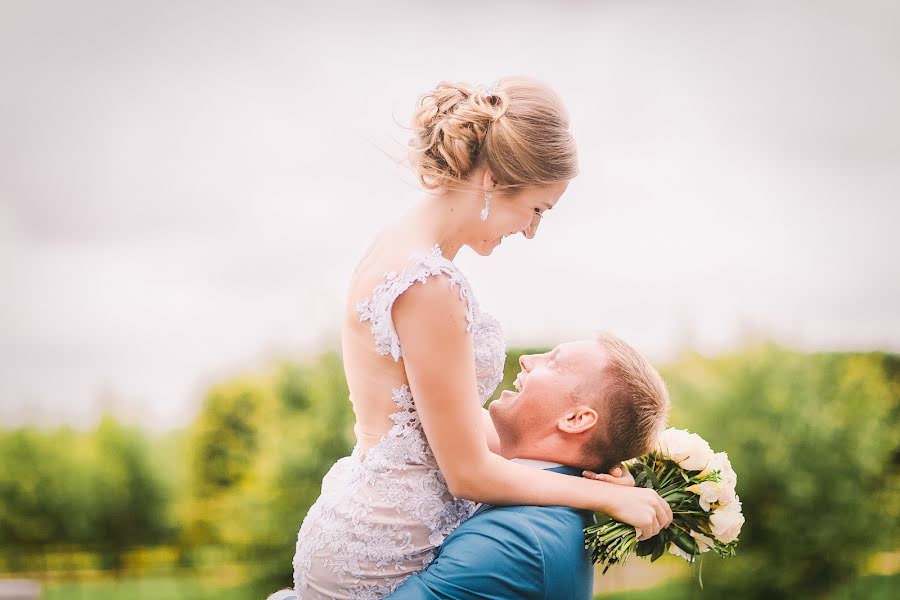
<point>377,309</point>
<point>381,514</point>
<point>379,517</point>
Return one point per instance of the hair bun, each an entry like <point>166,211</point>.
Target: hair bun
<point>518,129</point>
<point>496,101</point>
<point>449,128</point>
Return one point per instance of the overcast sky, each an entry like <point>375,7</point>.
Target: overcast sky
<point>185,187</point>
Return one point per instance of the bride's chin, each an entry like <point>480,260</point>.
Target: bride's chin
<point>484,249</point>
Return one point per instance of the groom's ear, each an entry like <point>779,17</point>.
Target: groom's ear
<point>578,420</point>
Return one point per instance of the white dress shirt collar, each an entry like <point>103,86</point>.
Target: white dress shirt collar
<point>537,464</point>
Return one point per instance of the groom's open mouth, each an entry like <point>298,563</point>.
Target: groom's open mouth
<point>516,384</point>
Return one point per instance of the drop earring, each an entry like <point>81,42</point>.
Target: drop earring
<point>487,205</point>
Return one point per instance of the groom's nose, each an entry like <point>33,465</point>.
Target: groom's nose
<point>525,362</point>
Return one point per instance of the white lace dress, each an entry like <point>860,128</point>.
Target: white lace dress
<point>379,519</point>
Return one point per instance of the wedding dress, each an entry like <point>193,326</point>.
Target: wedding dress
<point>381,515</point>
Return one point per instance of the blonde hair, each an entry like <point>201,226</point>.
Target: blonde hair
<point>633,397</point>
<point>519,130</point>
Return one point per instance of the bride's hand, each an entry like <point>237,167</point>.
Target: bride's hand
<point>642,508</point>
<point>619,475</point>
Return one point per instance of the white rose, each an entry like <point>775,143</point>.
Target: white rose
<point>727,521</point>
<point>712,492</point>
<point>689,450</point>
<point>725,496</point>
<point>705,543</point>
<point>719,462</point>
<point>673,549</point>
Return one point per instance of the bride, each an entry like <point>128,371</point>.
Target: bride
<point>421,357</point>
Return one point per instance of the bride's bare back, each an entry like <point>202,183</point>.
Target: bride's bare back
<point>372,376</point>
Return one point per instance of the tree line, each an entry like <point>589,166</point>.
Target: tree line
<point>814,439</point>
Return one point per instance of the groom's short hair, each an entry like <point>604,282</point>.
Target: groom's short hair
<point>632,401</point>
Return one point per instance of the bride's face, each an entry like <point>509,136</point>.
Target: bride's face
<point>517,212</point>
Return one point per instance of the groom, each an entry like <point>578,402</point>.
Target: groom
<point>585,405</point>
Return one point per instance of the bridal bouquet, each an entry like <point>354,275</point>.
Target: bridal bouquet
<point>698,484</point>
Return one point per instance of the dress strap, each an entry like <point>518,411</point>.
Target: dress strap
<point>421,266</point>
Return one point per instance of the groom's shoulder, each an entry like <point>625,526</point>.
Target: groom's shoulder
<point>544,521</point>
<point>560,514</point>
<point>556,527</point>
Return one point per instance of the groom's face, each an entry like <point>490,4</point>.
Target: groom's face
<point>545,395</point>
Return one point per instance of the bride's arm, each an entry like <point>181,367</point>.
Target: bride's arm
<point>490,432</point>
<point>430,320</point>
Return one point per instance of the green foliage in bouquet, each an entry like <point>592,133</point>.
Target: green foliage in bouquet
<point>687,491</point>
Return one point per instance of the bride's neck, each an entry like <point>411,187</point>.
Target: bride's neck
<point>443,220</point>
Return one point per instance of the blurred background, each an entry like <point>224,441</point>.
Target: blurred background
<point>186,187</point>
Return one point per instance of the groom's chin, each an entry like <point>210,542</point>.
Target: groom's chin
<point>503,401</point>
<point>500,409</point>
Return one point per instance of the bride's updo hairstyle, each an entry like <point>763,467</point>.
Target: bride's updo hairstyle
<point>519,129</point>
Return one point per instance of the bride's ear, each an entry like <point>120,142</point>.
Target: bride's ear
<point>488,182</point>
<point>578,420</point>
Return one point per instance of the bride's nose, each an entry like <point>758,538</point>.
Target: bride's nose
<point>530,231</point>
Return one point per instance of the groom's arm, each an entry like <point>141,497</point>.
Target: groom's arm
<point>499,557</point>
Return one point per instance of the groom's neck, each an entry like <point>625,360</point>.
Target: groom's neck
<point>543,452</point>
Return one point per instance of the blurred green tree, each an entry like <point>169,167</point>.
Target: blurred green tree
<point>129,499</point>
<point>223,448</point>
<point>814,440</point>
<point>64,488</point>
<point>43,501</point>
<point>260,448</point>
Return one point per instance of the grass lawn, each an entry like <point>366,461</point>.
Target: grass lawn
<point>145,588</point>
<point>870,587</point>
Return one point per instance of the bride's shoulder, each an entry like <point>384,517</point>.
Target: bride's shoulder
<point>417,286</point>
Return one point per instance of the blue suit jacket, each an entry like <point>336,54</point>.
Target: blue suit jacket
<point>510,552</point>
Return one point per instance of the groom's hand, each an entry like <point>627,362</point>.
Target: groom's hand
<point>619,475</point>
